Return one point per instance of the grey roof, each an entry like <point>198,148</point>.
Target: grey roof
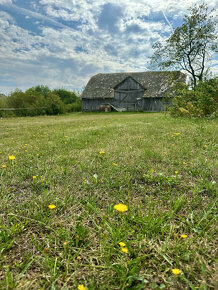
<point>101,86</point>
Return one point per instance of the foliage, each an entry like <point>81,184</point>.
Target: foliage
<point>163,169</point>
<point>200,101</point>
<point>67,97</point>
<point>190,46</point>
<point>40,100</point>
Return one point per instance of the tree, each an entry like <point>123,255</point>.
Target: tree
<point>191,45</point>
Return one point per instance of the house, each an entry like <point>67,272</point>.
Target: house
<point>140,91</point>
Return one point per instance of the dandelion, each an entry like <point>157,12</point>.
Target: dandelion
<point>34,177</point>
<point>176,271</point>
<point>82,287</point>
<point>52,206</point>
<point>176,172</point>
<point>177,134</point>
<point>66,136</point>
<point>101,152</point>
<point>115,164</point>
<point>183,236</point>
<point>77,237</point>
<point>122,244</point>
<point>4,166</point>
<point>124,250</point>
<point>121,207</point>
<point>65,243</point>
<point>11,157</point>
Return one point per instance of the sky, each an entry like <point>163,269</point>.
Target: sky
<point>62,43</point>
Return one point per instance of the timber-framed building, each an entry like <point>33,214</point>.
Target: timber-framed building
<point>141,91</point>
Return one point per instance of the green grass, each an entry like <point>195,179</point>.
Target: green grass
<point>167,181</point>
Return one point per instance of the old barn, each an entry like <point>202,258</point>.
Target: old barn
<point>141,91</point>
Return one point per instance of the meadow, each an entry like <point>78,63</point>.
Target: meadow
<point>108,201</point>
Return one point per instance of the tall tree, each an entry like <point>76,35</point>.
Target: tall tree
<point>191,45</point>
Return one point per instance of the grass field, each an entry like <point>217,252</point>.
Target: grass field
<point>162,169</point>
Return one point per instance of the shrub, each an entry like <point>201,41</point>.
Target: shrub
<point>40,100</point>
<point>28,103</point>
<point>54,105</point>
<point>200,101</point>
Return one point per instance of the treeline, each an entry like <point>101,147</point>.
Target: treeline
<point>39,100</point>
<point>200,101</point>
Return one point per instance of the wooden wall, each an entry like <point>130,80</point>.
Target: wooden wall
<point>145,104</point>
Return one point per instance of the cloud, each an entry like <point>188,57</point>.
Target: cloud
<point>109,17</point>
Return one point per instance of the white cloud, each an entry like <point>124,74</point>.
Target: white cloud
<point>6,2</point>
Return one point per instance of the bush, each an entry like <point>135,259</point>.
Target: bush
<point>54,105</point>
<point>200,101</point>
<point>40,100</point>
<point>71,99</point>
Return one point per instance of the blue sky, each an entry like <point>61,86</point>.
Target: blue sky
<point>62,43</point>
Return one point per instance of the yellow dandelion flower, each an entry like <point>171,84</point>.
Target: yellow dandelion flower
<point>4,166</point>
<point>176,271</point>
<point>65,243</point>
<point>66,136</point>
<point>124,250</point>
<point>77,237</point>
<point>82,287</point>
<point>115,164</point>
<point>101,152</point>
<point>52,206</point>
<point>34,177</point>
<point>183,236</point>
<point>122,244</point>
<point>11,157</point>
<point>121,207</point>
<point>177,133</point>
<point>176,172</point>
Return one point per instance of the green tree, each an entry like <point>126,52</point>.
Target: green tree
<point>191,45</point>
<point>54,105</point>
<point>66,96</point>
